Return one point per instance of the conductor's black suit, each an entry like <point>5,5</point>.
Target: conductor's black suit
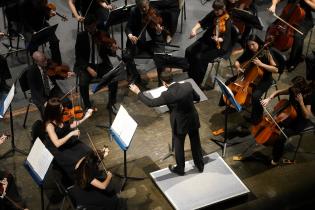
<point>184,119</point>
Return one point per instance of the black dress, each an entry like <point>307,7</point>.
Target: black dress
<point>67,155</point>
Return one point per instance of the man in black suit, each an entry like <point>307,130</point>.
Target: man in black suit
<point>184,118</point>
<point>92,61</point>
<point>41,85</point>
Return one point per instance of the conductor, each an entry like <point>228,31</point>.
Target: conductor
<point>184,119</point>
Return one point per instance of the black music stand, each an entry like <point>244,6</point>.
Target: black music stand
<point>4,105</point>
<point>229,95</point>
<point>116,74</point>
<point>42,36</point>
<point>248,18</point>
<point>119,16</point>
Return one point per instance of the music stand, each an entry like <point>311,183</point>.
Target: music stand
<point>248,18</point>
<point>37,164</point>
<point>123,135</point>
<point>42,36</point>
<point>114,75</point>
<point>119,16</point>
<point>230,96</point>
<point>4,105</point>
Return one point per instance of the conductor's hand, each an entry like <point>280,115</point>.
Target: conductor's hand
<point>134,88</point>
<point>193,33</point>
<point>132,38</point>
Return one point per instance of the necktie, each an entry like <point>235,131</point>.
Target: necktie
<point>46,83</point>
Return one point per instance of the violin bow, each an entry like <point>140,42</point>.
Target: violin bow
<point>87,10</point>
<point>95,151</point>
<point>288,24</point>
<point>273,120</point>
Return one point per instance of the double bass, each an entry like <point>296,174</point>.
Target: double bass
<point>269,127</point>
<point>282,30</point>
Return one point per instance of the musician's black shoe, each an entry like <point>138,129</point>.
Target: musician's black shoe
<point>200,168</point>
<point>174,169</point>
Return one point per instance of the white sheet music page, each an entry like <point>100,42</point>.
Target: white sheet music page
<point>124,126</point>
<point>40,158</point>
<point>7,101</point>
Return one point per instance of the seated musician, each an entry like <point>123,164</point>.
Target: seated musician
<point>300,98</point>
<point>63,138</point>
<point>35,15</point>
<point>211,45</point>
<point>265,62</point>
<point>8,188</point>
<point>244,28</point>
<point>98,8</point>
<point>92,188</point>
<point>92,61</point>
<point>42,85</point>
<point>304,26</point>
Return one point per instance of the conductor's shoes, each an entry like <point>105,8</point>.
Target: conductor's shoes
<point>175,170</point>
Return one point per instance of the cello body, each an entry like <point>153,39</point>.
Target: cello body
<point>280,32</point>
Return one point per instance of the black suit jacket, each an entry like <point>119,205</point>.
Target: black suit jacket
<point>82,52</point>
<point>36,85</point>
<point>180,99</point>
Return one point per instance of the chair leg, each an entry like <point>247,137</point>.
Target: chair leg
<point>216,73</point>
<point>184,9</point>
<point>276,86</point>
<point>309,41</point>
<point>209,70</point>
<point>181,20</point>
<point>26,114</point>
<point>231,66</point>
<point>297,147</point>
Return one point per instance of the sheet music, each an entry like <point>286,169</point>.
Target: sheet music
<point>7,101</point>
<point>124,126</point>
<point>40,158</point>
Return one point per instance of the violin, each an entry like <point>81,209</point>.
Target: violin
<point>220,27</point>
<point>282,29</point>
<point>58,70</point>
<point>269,127</point>
<point>75,112</point>
<point>103,38</point>
<point>15,204</point>
<point>52,6</point>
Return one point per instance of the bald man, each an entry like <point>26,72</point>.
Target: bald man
<point>41,85</point>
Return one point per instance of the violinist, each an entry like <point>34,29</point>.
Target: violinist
<point>42,85</point>
<point>92,61</point>
<point>99,8</point>
<point>142,18</point>
<point>92,188</point>
<point>304,26</point>
<point>300,98</point>
<point>35,15</point>
<point>8,189</point>
<point>214,42</point>
<point>63,138</point>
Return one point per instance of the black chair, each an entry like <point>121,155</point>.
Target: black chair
<point>38,131</point>
<point>280,60</point>
<point>26,91</point>
<point>235,34</point>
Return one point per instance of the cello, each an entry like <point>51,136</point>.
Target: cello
<point>282,30</point>
<point>269,126</point>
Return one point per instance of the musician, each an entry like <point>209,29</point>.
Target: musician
<point>92,61</point>
<point>169,10</point>
<point>41,85</point>
<point>63,138</point>
<point>99,8</point>
<point>92,188</point>
<point>244,28</point>
<point>4,74</point>
<point>35,15</point>
<point>300,98</point>
<point>305,26</point>
<point>209,46</point>
<point>137,41</point>
<point>184,119</point>
<point>9,188</point>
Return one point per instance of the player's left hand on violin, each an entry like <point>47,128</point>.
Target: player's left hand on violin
<point>158,28</point>
<point>52,13</point>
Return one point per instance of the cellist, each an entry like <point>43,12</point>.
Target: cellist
<point>266,63</point>
<point>300,98</point>
<point>305,26</point>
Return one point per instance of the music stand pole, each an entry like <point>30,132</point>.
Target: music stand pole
<point>13,147</point>
<point>42,196</point>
